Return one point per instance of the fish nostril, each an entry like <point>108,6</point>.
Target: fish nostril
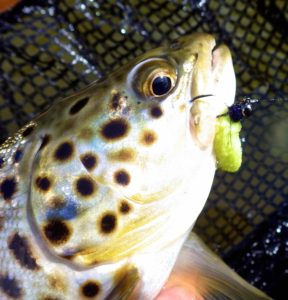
<point>216,47</point>
<point>176,45</point>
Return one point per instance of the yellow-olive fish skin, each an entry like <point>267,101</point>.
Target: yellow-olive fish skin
<point>98,194</point>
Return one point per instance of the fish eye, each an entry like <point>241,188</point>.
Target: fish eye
<point>161,85</point>
<point>155,79</point>
<point>160,82</point>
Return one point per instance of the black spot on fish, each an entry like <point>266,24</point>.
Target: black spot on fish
<point>78,106</point>
<point>10,287</point>
<point>45,141</point>
<point>22,252</point>
<point>56,202</point>
<point>115,129</point>
<point>68,256</point>
<point>115,103</point>
<point>8,188</point>
<point>43,183</point>
<point>64,151</point>
<point>124,207</point>
<point>1,162</point>
<point>108,223</point>
<point>28,131</point>
<point>57,231</point>
<point>148,137</point>
<point>89,160</point>
<point>85,186</point>
<point>122,177</point>
<point>18,155</point>
<point>90,289</point>
<point>156,112</point>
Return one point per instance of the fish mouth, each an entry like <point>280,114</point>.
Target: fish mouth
<point>213,63</point>
<point>223,77</point>
<point>220,55</point>
<point>215,90</point>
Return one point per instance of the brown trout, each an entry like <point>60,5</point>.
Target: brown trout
<point>99,193</point>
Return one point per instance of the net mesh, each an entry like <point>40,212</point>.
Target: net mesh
<point>48,49</point>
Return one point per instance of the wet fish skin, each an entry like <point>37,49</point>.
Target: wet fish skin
<point>99,193</point>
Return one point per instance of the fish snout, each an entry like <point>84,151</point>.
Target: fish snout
<point>213,77</point>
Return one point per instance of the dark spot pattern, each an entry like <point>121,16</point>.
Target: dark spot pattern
<point>8,188</point>
<point>115,103</point>
<point>115,129</point>
<point>45,141</point>
<point>108,223</point>
<point>148,138</point>
<point>64,151</point>
<point>18,156</point>
<point>57,231</point>
<point>43,183</point>
<point>68,256</point>
<point>67,212</point>
<point>56,202</point>
<point>22,252</point>
<point>122,177</point>
<point>89,161</point>
<point>156,112</point>
<point>85,186</point>
<point>125,154</point>
<point>28,131</point>
<point>10,287</point>
<point>90,289</point>
<point>2,219</point>
<point>125,207</point>
<point>57,282</point>
<point>1,162</point>
<point>78,106</point>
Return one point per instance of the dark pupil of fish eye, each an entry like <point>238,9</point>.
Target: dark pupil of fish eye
<point>161,85</point>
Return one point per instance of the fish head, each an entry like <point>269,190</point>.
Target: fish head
<point>124,159</point>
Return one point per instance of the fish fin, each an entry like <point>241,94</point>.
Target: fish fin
<point>204,272</point>
<point>126,281</point>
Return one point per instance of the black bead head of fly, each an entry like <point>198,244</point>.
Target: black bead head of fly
<point>242,109</point>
